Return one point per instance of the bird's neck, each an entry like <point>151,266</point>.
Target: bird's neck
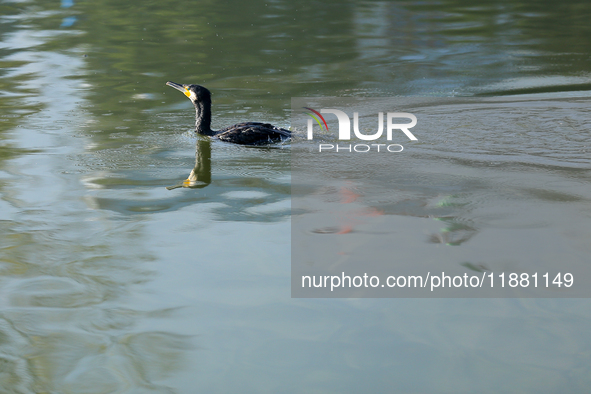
<point>203,118</point>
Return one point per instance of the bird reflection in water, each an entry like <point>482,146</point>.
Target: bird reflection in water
<point>200,175</point>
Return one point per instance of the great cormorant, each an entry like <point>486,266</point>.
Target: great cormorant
<point>248,133</point>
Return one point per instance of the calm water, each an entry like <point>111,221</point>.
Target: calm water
<point>111,283</point>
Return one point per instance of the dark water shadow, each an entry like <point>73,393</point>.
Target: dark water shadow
<point>200,175</point>
<point>238,183</point>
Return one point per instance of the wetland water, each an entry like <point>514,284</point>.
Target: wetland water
<point>111,283</point>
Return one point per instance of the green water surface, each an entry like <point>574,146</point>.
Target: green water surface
<point>111,283</point>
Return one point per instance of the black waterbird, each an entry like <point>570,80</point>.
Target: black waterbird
<point>248,133</point>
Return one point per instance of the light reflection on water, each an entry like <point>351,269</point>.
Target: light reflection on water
<point>111,283</point>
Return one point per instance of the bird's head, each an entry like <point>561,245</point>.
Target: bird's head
<point>195,93</point>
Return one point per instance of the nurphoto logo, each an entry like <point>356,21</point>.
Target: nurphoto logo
<point>345,130</point>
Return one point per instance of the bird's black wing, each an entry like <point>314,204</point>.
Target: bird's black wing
<point>253,133</point>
